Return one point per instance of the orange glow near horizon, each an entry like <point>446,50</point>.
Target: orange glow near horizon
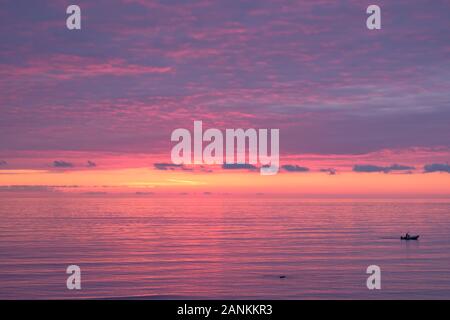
<point>234,181</point>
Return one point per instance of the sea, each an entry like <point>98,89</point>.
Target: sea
<point>222,247</point>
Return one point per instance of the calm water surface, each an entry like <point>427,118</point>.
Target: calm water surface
<point>222,247</point>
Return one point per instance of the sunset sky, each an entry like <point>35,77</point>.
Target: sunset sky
<point>359,111</point>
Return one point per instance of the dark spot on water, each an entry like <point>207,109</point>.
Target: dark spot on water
<point>282,277</point>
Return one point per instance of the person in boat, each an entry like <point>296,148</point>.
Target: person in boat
<point>407,235</point>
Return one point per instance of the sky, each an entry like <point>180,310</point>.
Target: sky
<point>359,111</point>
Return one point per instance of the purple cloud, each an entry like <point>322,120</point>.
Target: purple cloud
<point>373,168</point>
<point>167,166</point>
<point>62,164</point>
<point>437,167</point>
<point>238,166</point>
<point>330,171</point>
<point>294,168</point>
<point>156,65</point>
<point>91,164</point>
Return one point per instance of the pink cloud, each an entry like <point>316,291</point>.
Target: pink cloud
<point>65,67</point>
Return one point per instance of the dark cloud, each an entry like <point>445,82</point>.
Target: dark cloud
<point>3,163</point>
<point>237,166</point>
<point>437,167</point>
<point>368,168</point>
<point>62,164</point>
<point>170,166</point>
<point>167,166</point>
<point>91,164</point>
<point>294,168</point>
<point>373,168</point>
<point>330,171</point>
<point>26,189</point>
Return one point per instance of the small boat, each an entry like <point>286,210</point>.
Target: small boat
<point>408,237</point>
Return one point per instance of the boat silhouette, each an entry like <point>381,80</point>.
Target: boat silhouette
<point>408,237</point>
